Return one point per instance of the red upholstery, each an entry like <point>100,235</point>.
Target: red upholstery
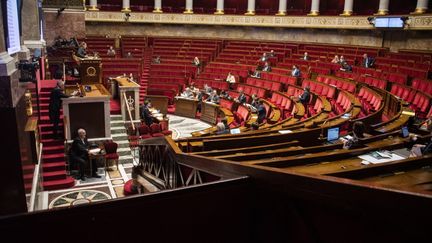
<point>155,130</point>
<point>144,131</point>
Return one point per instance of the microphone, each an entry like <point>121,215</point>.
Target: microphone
<point>321,137</point>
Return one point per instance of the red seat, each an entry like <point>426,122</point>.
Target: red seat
<point>111,152</point>
<point>155,130</point>
<point>144,131</point>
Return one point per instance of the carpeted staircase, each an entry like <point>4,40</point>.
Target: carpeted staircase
<point>53,153</point>
<point>147,58</point>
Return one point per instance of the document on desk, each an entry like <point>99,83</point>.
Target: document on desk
<point>380,157</point>
<point>95,150</point>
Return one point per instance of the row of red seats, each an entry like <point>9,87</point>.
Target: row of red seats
<point>220,85</point>
<point>220,70</point>
<point>168,79</point>
<point>316,108</point>
<point>241,116</point>
<point>342,104</point>
<point>266,84</point>
<point>376,82</point>
<point>250,90</point>
<point>340,83</point>
<point>284,103</point>
<point>282,78</point>
<point>371,101</point>
<point>424,85</point>
<point>320,88</point>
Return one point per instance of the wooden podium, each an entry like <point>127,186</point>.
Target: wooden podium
<point>128,93</point>
<point>209,112</point>
<point>90,70</point>
<point>185,107</point>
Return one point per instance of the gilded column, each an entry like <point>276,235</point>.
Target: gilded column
<point>157,6</point>
<point>189,7</point>
<point>282,7</point>
<point>422,7</point>
<point>93,5</point>
<point>220,7</point>
<point>251,7</point>
<point>348,8</point>
<point>383,7</point>
<point>126,6</point>
<point>314,8</point>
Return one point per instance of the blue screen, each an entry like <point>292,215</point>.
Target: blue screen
<point>235,131</point>
<point>332,133</point>
<point>405,132</point>
<point>389,22</point>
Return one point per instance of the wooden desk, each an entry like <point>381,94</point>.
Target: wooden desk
<point>209,112</point>
<point>91,111</point>
<point>185,107</point>
<point>159,102</point>
<point>90,70</point>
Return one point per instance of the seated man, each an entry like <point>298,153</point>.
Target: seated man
<point>335,59</point>
<point>267,67</point>
<point>111,52</point>
<point>207,89</point>
<point>196,62</point>
<point>230,78</point>
<point>221,129</point>
<point>306,56</point>
<point>263,58</point>
<point>261,112</point>
<point>271,54</point>
<point>253,106</point>
<point>295,71</point>
<point>367,61</point>
<point>82,50</point>
<point>157,60</point>
<point>79,154</point>
<point>129,55</point>
<point>345,67</point>
<point>256,74</point>
<point>145,113</point>
<point>241,98</point>
<point>225,95</point>
<point>421,149</point>
<point>214,97</point>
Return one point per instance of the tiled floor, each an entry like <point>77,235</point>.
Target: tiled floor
<point>110,185</point>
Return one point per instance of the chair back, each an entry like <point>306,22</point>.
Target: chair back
<point>110,147</point>
<point>143,129</point>
<point>155,128</point>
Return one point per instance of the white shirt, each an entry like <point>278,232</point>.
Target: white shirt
<point>231,79</point>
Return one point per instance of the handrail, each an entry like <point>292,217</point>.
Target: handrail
<point>36,180</point>
<point>129,111</point>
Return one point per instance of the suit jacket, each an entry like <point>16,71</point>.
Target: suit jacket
<point>79,149</point>
<point>295,73</point>
<point>81,52</point>
<point>368,62</point>
<point>213,98</point>
<point>55,101</point>
<point>146,115</point>
<point>305,97</point>
<point>261,113</point>
<point>267,69</point>
<point>242,98</point>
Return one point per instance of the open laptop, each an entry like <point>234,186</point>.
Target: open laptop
<point>333,135</point>
<point>405,132</point>
<point>235,131</point>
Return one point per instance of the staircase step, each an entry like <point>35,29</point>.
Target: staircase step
<point>117,122</point>
<point>54,175</point>
<point>51,142</point>
<point>59,184</point>
<point>53,149</point>
<point>117,130</point>
<point>51,158</point>
<point>28,178</point>
<point>53,166</point>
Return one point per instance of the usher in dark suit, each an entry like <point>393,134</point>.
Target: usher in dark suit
<point>55,106</point>
<point>79,156</point>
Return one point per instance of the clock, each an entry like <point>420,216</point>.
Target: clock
<point>91,71</point>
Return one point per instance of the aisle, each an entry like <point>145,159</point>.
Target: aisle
<point>183,127</point>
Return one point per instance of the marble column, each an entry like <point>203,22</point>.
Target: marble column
<point>93,5</point>
<point>126,6</point>
<point>31,28</point>
<point>157,6</point>
<point>422,7</point>
<point>282,7</point>
<point>383,7</point>
<point>314,8</point>
<point>220,7</point>
<point>251,7</point>
<point>348,8</point>
<point>189,7</point>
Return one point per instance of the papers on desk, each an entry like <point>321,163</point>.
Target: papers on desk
<point>378,157</point>
<point>95,151</point>
<point>285,131</point>
<point>346,116</point>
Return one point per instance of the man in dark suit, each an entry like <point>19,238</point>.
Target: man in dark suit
<point>367,61</point>
<point>146,115</point>
<point>82,50</point>
<point>214,97</point>
<point>241,98</point>
<point>261,112</point>
<point>79,154</point>
<point>55,106</point>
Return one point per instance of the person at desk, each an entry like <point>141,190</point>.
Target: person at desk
<point>241,98</point>
<point>157,60</point>
<point>111,52</point>
<point>367,61</point>
<point>129,55</point>
<point>194,89</point>
<point>82,50</point>
<point>55,106</point>
<point>335,59</point>
<point>358,133</point>
<point>230,78</point>
<point>267,67</point>
<point>207,89</point>
<point>263,57</point>
<point>187,93</point>
<point>256,74</point>
<point>271,53</point>
<point>345,67</point>
<point>295,71</point>
<point>224,94</point>
<point>261,112</point>
<point>146,115</point>
<point>221,129</point>
<point>214,97</point>
<point>79,154</point>
<point>253,106</point>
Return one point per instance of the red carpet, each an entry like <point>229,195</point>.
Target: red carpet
<point>115,107</point>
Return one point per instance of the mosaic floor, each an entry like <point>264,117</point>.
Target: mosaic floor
<point>110,185</point>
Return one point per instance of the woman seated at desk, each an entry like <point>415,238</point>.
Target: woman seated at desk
<point>358,134</point>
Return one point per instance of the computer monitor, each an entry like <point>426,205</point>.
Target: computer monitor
<point>405,132</point>
<point>332,134</point>
<point>235,131</point>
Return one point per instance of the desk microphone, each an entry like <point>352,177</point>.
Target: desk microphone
<point>322,129</point>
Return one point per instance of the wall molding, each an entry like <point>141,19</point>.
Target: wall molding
<point>415,22</point>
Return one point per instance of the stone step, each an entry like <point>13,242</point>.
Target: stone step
<point>117,130</point>
<point>123,143</point>
<point>116,117</point>
<point>123,151</point>
<point>117,123</point>
<point>119,136</point>
<point>125,159</point>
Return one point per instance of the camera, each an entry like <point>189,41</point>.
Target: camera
<point>28,71</point>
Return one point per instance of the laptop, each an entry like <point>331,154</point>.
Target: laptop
<point>405,132</point>
<point>235,131</point>
<point>333,135</point>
